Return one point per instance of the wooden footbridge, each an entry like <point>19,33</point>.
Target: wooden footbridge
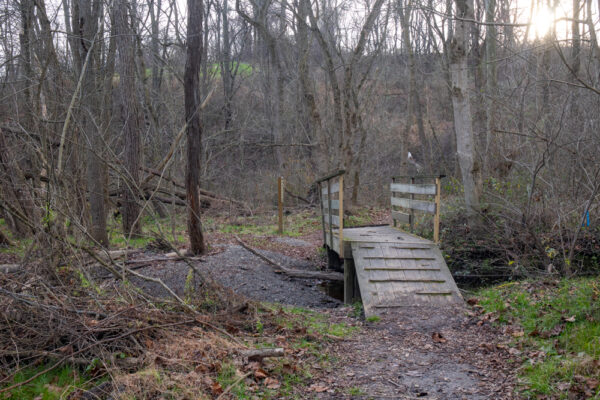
<point>384,266</point>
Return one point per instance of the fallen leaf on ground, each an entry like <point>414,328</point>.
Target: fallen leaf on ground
<point>534,333</point>
<point>216,388</point>
<point>315,387</point>
<point>487,346</point>
<point>556,331</point>
<point>271,383</point>
<point>514,352</point>
<point>518,333</point>
<point>569,319</point>
<point>438,338</point>
<point>260,373</point>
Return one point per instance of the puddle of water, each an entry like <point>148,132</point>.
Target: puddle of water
<point>333,289</point>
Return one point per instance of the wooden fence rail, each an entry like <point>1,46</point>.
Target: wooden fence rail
<point>332,208</point>
<point>411,204</point>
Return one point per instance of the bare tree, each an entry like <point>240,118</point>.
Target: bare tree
<point>463,119</point>
<point>130,114</point>
<point>194,128</point>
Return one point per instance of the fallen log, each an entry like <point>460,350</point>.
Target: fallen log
<point>204,192</point>
<point>10,268</point>
<point>296,273</point>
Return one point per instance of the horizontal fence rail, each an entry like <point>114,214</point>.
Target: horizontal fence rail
<point>403,197</point>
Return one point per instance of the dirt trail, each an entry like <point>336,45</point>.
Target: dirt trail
<point>244,273</point>
<point>421,353</point>
<point>410,353</point>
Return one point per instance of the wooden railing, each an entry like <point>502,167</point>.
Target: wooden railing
<point>411,188</point>
<point>331,192</point>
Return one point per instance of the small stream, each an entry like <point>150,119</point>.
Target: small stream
<point>332,289</point>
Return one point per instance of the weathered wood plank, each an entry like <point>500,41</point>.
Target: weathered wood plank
<point>421,205</point>
<point>378,279</point>
<point>335,187</point>
<point>385,267</point>
<point>401,217</point>
<point>335,204</point>
<point>402,257</point>
<point>412,188</point>
<point>396,288</point>
<point>335,220</point>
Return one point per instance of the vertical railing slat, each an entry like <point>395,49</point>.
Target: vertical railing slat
<point>329,213</point>
<point>341,215</point>
<point>436,218</point>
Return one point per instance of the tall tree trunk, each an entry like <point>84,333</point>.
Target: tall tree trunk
<point>491,79</point>
<point>88,27</point>
<point>227,67</point>
<point>130,117</point>
<point>15,192</point>
<point>191,81</point>
<point>595,48</point>
<point>576,47</point>
<point>338,120</point>
<point>415,109</point>
<point>311,112</point>
<point>463,122</point>
<point>350,112</point>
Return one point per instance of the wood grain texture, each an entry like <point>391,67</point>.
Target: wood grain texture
<point>420,205</point>
<point>411,188</point>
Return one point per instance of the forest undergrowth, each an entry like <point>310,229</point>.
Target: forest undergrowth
<point>64,335</point>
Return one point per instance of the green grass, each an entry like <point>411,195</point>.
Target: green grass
<point>360,217</point>
<point>356,391</point>
<point>559,319</point>
<point>228,376</point>
<point>151,229</point>
<point>56,384</point>
<point>314,322</point>
<point>243,69</point>
<point>373,319</point>
<point>294,225</point>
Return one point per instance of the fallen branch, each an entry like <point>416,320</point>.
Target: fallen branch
<point>204,192</point>
<point>259,354</point>
<point>10,268</point>
<point>296,273</point>
<point>146,262</point>
<point>296,196</point>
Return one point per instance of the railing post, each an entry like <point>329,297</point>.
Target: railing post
<point>412,212</point>
<point>341,216</point>
<point>436,218</point>
<point>329,212</point>
<point>391,206</point>
<point>320,189</point>
<point>280,204</point>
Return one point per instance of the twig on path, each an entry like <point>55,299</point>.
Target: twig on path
<point>238,380</point>
<point>331,276</point>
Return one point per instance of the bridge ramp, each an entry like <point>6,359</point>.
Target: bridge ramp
<point>392,275</point>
